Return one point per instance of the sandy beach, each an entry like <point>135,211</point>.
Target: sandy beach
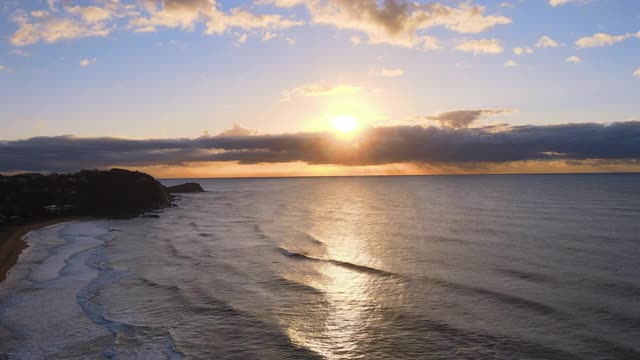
<point>12,243</point>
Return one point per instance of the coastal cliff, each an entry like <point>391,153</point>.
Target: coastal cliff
<point>114,193</point>
<point>32,201</point>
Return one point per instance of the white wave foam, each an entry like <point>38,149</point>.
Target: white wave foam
<point>38,304</point>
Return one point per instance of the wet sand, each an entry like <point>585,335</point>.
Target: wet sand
<point>12,243</point>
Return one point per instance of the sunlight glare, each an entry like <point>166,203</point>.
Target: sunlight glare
<point>344,123</point>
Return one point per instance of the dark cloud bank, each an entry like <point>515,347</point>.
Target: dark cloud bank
<point>374,146</point>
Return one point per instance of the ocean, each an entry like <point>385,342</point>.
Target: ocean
<point>429,267</point>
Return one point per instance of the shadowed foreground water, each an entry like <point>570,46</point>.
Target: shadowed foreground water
<point>474,267</point>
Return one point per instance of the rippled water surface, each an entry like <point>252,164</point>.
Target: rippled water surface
<point>471,267</point>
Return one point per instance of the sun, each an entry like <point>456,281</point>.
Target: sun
<point>344,123</point>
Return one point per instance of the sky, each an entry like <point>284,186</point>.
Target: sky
<point>206,88</point>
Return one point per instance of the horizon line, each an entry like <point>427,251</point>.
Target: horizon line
<point>398,175</point>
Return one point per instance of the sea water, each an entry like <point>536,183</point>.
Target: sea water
<point>467,267</point>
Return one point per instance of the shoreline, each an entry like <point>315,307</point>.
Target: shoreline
<point>12,241</point>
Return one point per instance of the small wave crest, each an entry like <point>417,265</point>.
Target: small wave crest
<point>296,255</point>
<point>289,284</point>
<point>363,269</point>
<point>344,264</point>
<point>524,275</point>
<point>97,313</point>
<point>313,239</point>
<point>495,295</point>
<point>258,230</point>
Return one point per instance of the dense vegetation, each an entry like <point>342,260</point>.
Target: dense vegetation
<point>113,193</point>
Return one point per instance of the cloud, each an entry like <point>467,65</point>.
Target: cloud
<point>91,14</point>
<point>375,146</point>
<point>484,46</point>
<point>523,51</point>
<point>238,130</point>
<point>555,3</point>
<point>393,22</point>
<point>398,22</point>
<point>242,39</point>
<point>573,59</point>
<point>282,3</point>
<point>547,42</point>
<point>75,22</point>
<point>42,26</point>
<point>390,73</point>
<point>511,63</point>
<point>602,39</point>
<point>185,14</point>
<point>167,43</point>
<point>506,5</point>
<point>86,62</point>
<point>20,52</point>
<point>460,119</point>
<point>52,4</point>
<point>269,36</point>
<point>356,40</point>
<point>637,73</point>
<point>315,90</point>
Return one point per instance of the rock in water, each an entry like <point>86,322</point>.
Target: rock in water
<point>185,188</point>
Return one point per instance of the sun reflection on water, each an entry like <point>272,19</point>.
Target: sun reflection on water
<point>338,330</point>
<point>341,325</point>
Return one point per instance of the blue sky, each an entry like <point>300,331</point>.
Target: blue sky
<point>149,69</point>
